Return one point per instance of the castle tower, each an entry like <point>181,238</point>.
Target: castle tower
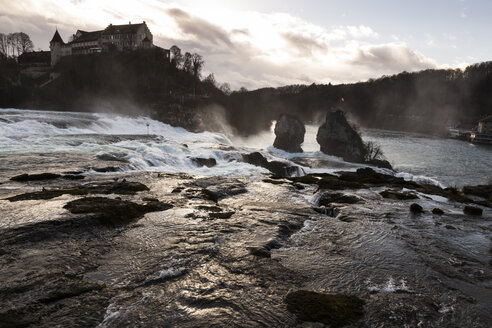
<point>55,48</point>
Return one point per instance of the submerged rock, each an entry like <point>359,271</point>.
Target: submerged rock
<point>335,310</point>
<point>208,162</point>
<point>472,210</point>
<point>336,137</point>
<point>437,211</point>
<point>289,133</point>
<point>416,208</point>
<point>114,211</point>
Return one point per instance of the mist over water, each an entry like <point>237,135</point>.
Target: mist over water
<point>160,147</point>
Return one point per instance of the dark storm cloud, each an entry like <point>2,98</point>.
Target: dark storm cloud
<point>199,28</point>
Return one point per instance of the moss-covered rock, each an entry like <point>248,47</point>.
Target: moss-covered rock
<point>35,177</point>
<point>48,194</point>
<point>114,211</point>
<point>398,195</point>
<point>472,210</point>
<point>336,310</point>
<point>121,188</point>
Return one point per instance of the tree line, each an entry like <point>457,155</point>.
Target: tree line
<point>15,44</point>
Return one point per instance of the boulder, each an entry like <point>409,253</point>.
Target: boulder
<point>208,162</point>
<point>281,169</point>
<point>336,137</point>
<point>289,132</point>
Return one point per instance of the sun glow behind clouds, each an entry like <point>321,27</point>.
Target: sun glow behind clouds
<point>244,48</point>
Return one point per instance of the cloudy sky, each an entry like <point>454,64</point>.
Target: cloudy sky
<point>259,43</point>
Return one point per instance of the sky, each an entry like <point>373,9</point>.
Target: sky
<point>270,43</point>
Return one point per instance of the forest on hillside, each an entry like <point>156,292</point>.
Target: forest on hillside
<point>426,101</point>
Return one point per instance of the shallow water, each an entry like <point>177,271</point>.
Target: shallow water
<point>186,268</point>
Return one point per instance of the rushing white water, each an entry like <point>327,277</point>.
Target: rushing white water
<point>149,145</point>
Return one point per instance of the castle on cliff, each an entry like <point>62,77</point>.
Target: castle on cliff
<point>113,38</point>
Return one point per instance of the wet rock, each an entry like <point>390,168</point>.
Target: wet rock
<point>416,208</point>
<point>472,210</point>
<point>330,211</point>
<point>73,177</point>
<point>327,198</point>
<point>332,182</point>
<point>484,191</point>
<point>281,169</point>
<point>109,158</point>
<point>260,252</point>
<point>221,215</point>
<point>35,177</point>
<point>208,162</point>
<point>398,195</point>
<point>437,211</point>
<point>178,190</point>
<point>336,137</point>
<point>298,186</point>
<point>121,188</point>
<point>306,179</point>
<point>335,310</point>
<point>47,194</point>
<point>289,132</point>
<point>449,227</point>
<point>113,211</point>
<point>380,163</point>
<point>210,195</point>
<point>106,169</point>
<point>275,182</point>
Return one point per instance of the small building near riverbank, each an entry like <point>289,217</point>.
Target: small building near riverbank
<point>485,125</point>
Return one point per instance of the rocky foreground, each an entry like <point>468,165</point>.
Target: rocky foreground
<point>158,250</point>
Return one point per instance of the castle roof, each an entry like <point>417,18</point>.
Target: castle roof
<point>87,36</point>
<point>57,38</point>
<point>122,29</point>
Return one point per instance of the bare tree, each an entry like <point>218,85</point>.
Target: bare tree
<point>210,79</point>
<point>187,63</point>
<point>197,64</point>
<point>3,44</point>
<point>373,151</point>
<point>176,56</point>
<point>225,88</point>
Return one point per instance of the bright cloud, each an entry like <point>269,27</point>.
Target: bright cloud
<point>244,48</point>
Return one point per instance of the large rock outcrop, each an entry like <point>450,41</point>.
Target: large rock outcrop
<point>289,133</point>
<point>336,137</point>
